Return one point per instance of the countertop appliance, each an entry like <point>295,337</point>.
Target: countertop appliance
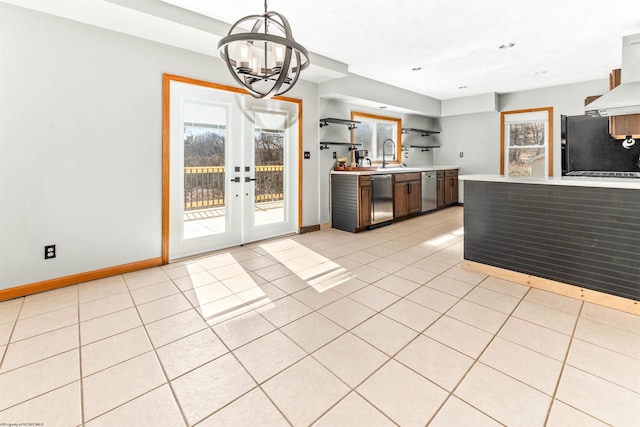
<point>429,191</point>
<point>381,198</point>
<point>359,156</point>
<point>589,150</point>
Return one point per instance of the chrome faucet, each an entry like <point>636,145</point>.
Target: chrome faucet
<point>384,163</point>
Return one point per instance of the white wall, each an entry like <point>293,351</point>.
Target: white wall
<point>566,100</point>
<point>81,144</point>
<point>478,135</point>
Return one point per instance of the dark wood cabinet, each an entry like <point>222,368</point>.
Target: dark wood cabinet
<point>622,126</point>
<point>450,187</point>
<point>364,201</point>
<point>407,197</point>
<point>440,189</point>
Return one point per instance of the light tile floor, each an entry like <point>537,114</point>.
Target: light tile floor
<point>328,328</point>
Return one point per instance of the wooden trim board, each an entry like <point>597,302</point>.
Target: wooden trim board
<point>60,282</point>
<point>308,229</point>
<point>600,298</point>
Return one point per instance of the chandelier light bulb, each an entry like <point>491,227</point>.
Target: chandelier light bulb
<point>244,55</point>
<point>279,52</point>
<point>256,67</point>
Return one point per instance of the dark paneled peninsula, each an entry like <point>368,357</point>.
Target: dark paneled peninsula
<point>574,231</point>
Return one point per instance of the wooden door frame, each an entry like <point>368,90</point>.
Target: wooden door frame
<point>166,147</point>
<point>549,111</point>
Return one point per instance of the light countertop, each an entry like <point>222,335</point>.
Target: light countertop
<point>630,183</point>
<point>396,169</point>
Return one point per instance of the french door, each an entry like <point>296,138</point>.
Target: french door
<point>233,169</point>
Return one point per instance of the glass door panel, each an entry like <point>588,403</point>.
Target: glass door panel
<point>269,143</point>
<point>205,132</point>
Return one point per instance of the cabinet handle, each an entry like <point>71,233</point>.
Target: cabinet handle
<point>409,188</point>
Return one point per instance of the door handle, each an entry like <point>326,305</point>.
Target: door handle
<point>247,179</point>
<point>236,179</point>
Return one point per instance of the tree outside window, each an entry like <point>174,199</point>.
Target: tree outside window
<point>526,143</point>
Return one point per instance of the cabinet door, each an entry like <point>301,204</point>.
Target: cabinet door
<point>448,191</point>
<point>454,189</point>
<point>440,192</point>
<point>451,187</point>
<point>400,199</point>
<point>621,126</point>
<point>364,208</point>
<point>414,197</point>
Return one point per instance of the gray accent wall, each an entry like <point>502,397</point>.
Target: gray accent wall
<point>583,236</point>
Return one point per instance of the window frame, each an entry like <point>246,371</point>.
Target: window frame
<point>549,145</point>
<point>357,116</point>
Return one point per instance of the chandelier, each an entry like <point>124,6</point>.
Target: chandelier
<point>267,61</point>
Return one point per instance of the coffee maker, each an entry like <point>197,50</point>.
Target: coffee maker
<point>360,155</point>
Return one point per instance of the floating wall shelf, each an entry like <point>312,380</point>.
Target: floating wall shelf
<point>422,132</point>
<point>325,145</point>
<point>424,147</point>
<point>350,123</point>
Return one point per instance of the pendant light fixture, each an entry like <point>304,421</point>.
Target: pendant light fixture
<point>267,61</point>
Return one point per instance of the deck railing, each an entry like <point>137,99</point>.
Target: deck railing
<point>204,185</point>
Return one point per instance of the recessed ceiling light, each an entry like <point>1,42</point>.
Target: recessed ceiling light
<point>416,69</point>
<point>541,72</point>
<point>507,46</point>
<point>462,87</point>
<point>382,106</point>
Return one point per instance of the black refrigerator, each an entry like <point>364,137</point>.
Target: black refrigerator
<point>587,146</point>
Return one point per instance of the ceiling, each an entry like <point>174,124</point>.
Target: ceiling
<point>454,42</point>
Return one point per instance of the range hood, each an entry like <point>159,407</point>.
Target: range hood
<point>625,98</point>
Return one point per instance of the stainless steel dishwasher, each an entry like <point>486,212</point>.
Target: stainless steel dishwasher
<point>429,191</point>
<point>381,198</point>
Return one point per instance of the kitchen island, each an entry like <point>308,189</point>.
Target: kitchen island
<point>576,236</point>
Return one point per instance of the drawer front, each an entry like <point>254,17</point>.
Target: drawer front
<point>440,174</point>
<point>451,172</point>
<point>402,177</point>
<point>365,180</point>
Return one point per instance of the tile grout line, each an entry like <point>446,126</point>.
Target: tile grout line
<point>13,329</point>
<point>82,412</point>
<point>389,357</point>
<point>232,354</point>
<point>564,364</point>
<point>157,359</point>
<point>477,359</point>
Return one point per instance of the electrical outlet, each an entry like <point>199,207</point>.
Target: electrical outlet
<point>49,251</point>
<point>406,155</point>
<point>307,154</point>
<point>461,154</point>
<point>335,155</point>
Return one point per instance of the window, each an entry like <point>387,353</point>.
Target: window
<point>373,131</point>
<point>526,143</point>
